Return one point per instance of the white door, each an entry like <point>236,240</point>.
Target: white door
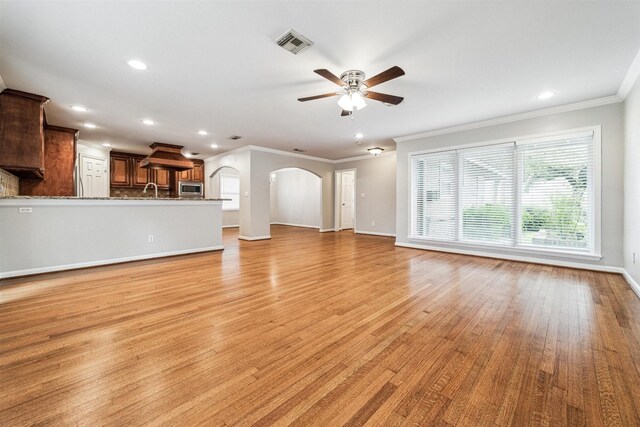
<point>93,177</point>
<point>346,204</point>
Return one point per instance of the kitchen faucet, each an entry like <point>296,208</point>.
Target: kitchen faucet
<point>147,186</point>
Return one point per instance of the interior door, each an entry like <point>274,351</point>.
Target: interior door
<point>346,210</point>
<point>93,177</point>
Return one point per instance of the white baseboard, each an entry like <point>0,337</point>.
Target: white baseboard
<point>295,225</point>
<point>374,233</point>
<point>632,283</point>
<point>326,230</point>
<point>75,266</point>
<point>231,226</point>
<point>251,238</point>
<point>521,258</point>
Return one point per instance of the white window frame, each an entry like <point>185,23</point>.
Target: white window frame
<point>222,176</point>
<point>596,226</point>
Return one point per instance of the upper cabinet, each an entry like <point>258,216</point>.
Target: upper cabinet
<point>141,176</point>
<point>121,168</point>
<point>161,178</point>
<point>59,163</point>
<point>195,174</point>
<point>22,133</point>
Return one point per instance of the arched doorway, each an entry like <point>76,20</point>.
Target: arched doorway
<point>295,196</point>
<point>224,183</point>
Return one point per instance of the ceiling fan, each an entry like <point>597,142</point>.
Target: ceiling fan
<point>355,88</point>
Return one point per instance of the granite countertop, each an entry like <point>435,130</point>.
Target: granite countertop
<point>192,199</point>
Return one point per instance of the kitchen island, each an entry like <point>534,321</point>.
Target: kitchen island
<point>44,234</point>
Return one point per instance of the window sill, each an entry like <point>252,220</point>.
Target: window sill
<point>475,248</point>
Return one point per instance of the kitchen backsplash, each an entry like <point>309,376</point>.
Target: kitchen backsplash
<point>137,192</point>
<point>8,184</point>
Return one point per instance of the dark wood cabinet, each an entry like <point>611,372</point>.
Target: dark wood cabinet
<point>59,161</point>
<point>127,173</point>
<point>195,174</point>
<point>22,122</point>
<point>162,178</point>
<point>141,176</point>
<point>198,172</point>
<point>121,170</point>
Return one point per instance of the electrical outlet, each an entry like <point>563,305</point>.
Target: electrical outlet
<point>373,223</point>
<point>362,195</point>
<point>25,210</point>
<point>150,238</point>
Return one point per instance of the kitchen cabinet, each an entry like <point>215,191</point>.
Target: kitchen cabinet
<point>195,174</point>
<point>198,172</point>
<point>59,163</point>
<point>141,176</point>
<point>22,120</point>
<point>162,178</point>
<point>121,167</point>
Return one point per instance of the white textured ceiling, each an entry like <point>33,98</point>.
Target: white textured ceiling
<point>215,66</point>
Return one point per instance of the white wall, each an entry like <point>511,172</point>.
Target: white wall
<point>255,165</point>
<point>241,161</point>
<point>632,181</point>
<point>296,196</point>
<point>610,117</point>
<point>72,233</point>
<point>376,178</point>
<point>230,218</point>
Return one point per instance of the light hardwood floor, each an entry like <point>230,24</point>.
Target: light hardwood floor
<point>320,329</point>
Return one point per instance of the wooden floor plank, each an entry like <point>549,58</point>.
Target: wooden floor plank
<point>321,329</point>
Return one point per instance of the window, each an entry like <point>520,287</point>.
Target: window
<point>230,189</point>
<point>534,194</point>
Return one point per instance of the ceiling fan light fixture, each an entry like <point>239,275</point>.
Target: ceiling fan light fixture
<point>345,102</point>
<point>357,100</point>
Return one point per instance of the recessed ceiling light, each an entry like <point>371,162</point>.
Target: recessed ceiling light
<point>136,64</point>
<point>187,155</point>
<point>214,146</point>
<point>546,95</point>
<point>78,108</point>
<point>90,125</point>
<point>148,122</point>
<point>106,144</point>
<point>203,132</point>
<point>359,135</point>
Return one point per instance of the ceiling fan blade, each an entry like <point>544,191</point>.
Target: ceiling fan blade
<point>383,97</point>
<point>329,76</point>
<point>384,76</point>
<point>345,113</point>
<point>311,98</point>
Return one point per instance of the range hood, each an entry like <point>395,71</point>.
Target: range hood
<point>166,156</point>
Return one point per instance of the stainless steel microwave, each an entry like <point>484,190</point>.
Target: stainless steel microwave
<point>190,189</point>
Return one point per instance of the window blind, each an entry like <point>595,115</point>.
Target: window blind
<point>487,190</point>
<point>556,181</point>
<point>433,186</point>
<point>230,189</point>
<point>532,194</point>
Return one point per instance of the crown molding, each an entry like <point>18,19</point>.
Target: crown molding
<point>613,99</point>
<point>300,156</point>
<point>364,157</point>
<point>286,153</point>
<point>631,77</point>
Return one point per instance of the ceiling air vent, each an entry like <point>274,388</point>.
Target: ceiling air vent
<point>235,137</point>
<point>294,42</point>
